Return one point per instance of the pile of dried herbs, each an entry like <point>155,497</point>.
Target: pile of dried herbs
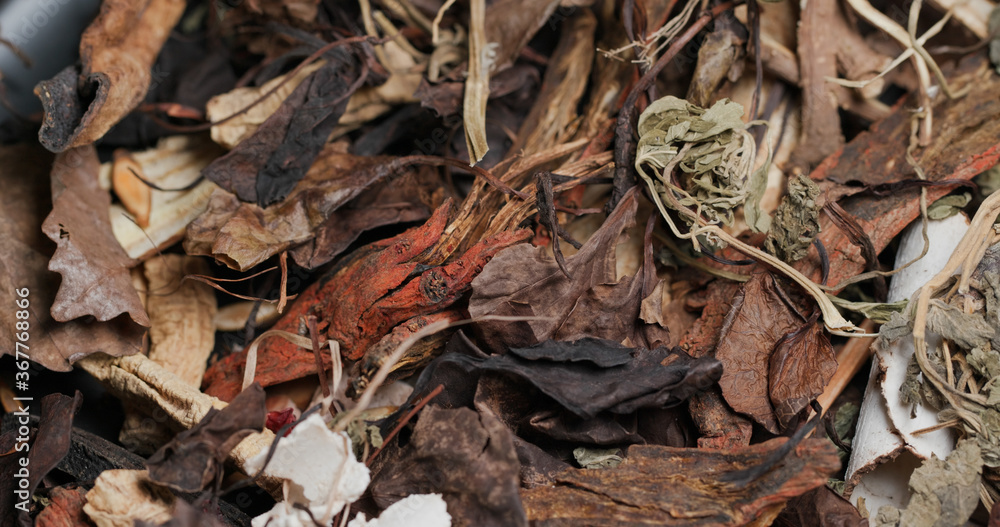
<point>505,262</point>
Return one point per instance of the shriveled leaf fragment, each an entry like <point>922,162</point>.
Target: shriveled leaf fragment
<point>94,268</point>
<point>24,256</point>
<point>796,222</point>
<point>681,486</point>
<point>117,52</point>
<point>715,155</point>
<point>968,330</point>
<point>595,458</point>
<point>120,497</point>
<point>945,492</point>
<point>525,281</point>
<point>759,318</point>
<point>466,457</point>
<point>821,507</point>
<point>265,167</point>
<point>319,468</point>
<point>948,206</point>
<point>242,235</point>
<point>801,366</point>
<point>720,57</point>
<point>195,457</point>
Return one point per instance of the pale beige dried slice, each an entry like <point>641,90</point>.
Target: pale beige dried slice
<point>136,196</point>
<point>233,317</point>
<point>120,497</point>
<point>174,163</point>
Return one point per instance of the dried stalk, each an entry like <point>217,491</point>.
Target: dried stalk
<point>477,85</point>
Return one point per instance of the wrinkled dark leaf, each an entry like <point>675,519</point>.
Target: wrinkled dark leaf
<point>651,378</point>
<point>821,507</point>
<point>190,461</point>
<point>266,166</point>
<point>468,458</point>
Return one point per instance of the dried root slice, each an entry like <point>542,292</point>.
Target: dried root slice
<point>136,196</point>
<point>120,497</point>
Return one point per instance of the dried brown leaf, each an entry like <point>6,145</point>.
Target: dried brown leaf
<point>24,256</point>
<point>524,281</point>
<point>757,321</point>
<point>94,267</point>
<point>800,368</point>
<point>117,52</point>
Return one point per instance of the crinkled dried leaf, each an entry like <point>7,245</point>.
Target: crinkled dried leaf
<point>758,320</point>
<point>526,281</point>
<point>948,206</point>
<point>594,458</point>
<point>23,260</point>
<point>473,463</point>
<point>195,457</point>
<point>796,222</point>
<point>720,56</point>
<point>265,167</point>
<point>117,50</point>
<point>175,162</point>
<point>120,497</point>
<point>681,486</point>
<point>715,155</point>
<point>94,268</point>
<point>410,197</point>
<point>242,235</point>
<point>945,492</point>
<point>800,368</point>
<point>968,330</point>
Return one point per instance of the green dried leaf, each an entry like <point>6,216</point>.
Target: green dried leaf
<point>985,360</point>
<point>876,311</point>
<point>945,492</point>
<point>989,439</point>
<point>948,206</point>
<point>796,222</point>
<point>595,458</point>
<point>968,330</point>
<point>714,153</point>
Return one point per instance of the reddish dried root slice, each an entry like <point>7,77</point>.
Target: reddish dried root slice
<point>352,305</point>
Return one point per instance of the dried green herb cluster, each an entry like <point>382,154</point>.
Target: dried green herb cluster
<point>715,155</point>
<point>796,222</point>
